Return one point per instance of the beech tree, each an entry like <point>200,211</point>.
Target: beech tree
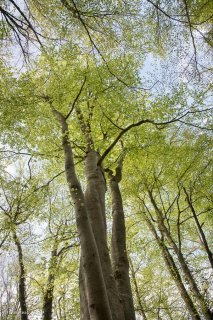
<point>167,211</point>
<point>82,113</point>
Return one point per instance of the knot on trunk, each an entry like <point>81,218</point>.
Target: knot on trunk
<point>117,275</point>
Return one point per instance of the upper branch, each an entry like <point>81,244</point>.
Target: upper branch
<point>191,33</point>
<point>78,14</point>
<point>76,99</point>
<point>20,26</point>
<point>139,123</point>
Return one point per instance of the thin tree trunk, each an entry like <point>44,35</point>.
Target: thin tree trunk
<point>189,277</point>
<point>137,293</point>
<point>173,270</point>
<point>22,278</point>
<point>48,295</point>
<point>120,261</point>
<point>200,230</point>
<point>98,303</point>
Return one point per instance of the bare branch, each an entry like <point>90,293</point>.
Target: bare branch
<point>76,99</point>
<point>196,126</point>
<point>164,12</point>
<point>77,14</point>
<point>64,249</point>
<point>112,122</point>
<point>175,19</point>
<point>192,36</point>
<point>27,20</point>
<point>49,181</point>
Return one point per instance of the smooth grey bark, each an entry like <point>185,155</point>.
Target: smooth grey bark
<point>199,227</point>
<point>97,284</point>
<point>173,270</point>
<point>94,192</point>
<point>91,166</point>
<point>84,311</point>
<point>187,273</point>
<point>95,204</point>
<point>98,303</point>
<point>48,295</point>
<point>22,278</point>
<point>120,263</point>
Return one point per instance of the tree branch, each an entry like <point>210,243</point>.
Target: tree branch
<point>139,123</point>
<point>192,36</point>
<point>76,99</point>
<point>27,20</point>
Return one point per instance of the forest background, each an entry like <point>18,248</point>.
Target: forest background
<point>106,160</point>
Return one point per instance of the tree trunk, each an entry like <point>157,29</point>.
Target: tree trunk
<point>98,303</point>
<point>200,230</point>
<point>94,203</point>
<point>120,261</point>
<point>137,293</point>
<point>48,295</point>
<point>173,270</point>
<point>22,278</point>
<point>188,275</point>
<point>84,311</point>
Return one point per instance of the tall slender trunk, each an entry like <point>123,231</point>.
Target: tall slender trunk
<point>173,270</point>
<point>22,278</point>
<point>137,293</point>
<point>199,228</point>
<point>98,303</point>
<point>48,295</point>
<point>120,261</point>
<point>188,275</point>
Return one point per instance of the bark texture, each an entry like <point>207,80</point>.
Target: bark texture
<point>95,204</point>
<point>102,297</point>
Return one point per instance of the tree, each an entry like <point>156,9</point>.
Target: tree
<point>83,110</point>
<point>162,192</point>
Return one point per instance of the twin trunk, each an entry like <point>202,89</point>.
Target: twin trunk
<point>104,295</point>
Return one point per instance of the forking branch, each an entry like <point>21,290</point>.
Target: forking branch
<point>141,122</point>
